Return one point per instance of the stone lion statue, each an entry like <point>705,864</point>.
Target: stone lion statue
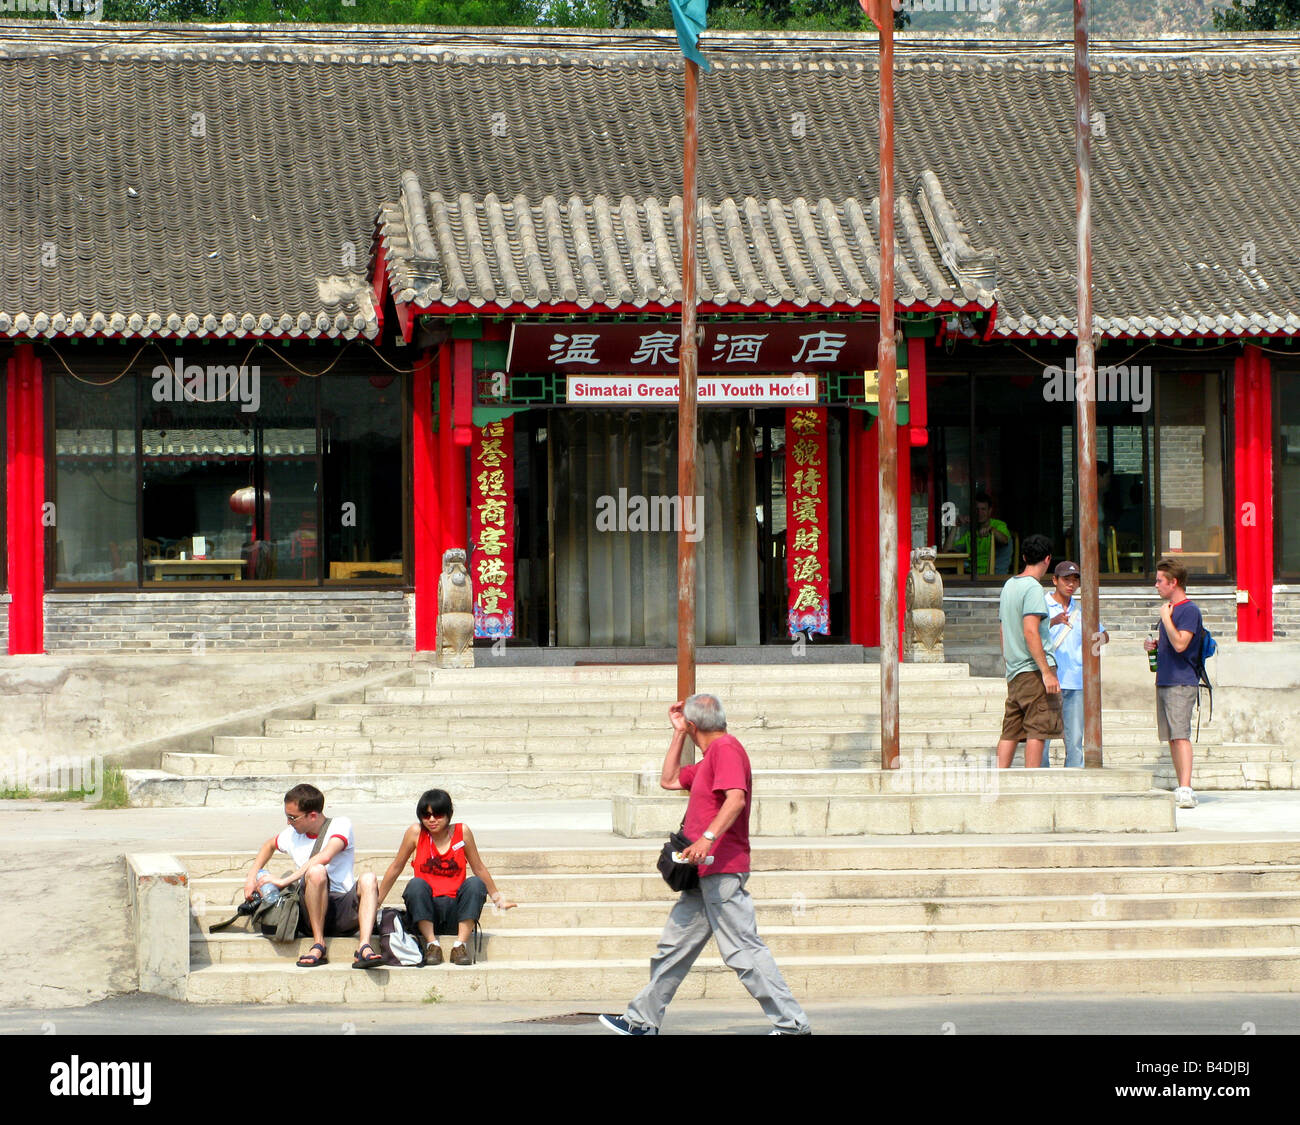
<point>923,626</point>
<point>455,612</point>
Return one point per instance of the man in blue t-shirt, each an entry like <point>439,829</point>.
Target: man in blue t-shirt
<point>1176,673</point>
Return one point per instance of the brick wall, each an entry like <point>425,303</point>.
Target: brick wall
<point>195,621</point>
<point>1286,613</point>
<point>1130,612</point>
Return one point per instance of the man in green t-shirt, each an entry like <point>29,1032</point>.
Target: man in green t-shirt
<point>992,538</point>
<point>1033,712</point>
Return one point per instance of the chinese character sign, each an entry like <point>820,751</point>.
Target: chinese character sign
<point>492,565</point>
<point>807,550</point>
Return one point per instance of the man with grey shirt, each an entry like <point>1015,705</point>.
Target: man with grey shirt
<point>717,820</point>
<point>1033,711</point>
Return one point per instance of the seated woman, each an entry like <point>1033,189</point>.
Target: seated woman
<point>440,899</point>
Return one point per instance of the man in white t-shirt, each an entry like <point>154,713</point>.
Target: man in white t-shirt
<point>333,902</point>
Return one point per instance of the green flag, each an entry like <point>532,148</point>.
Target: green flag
<point>689,17</point>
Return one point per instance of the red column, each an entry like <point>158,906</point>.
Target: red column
<point>428,514</point>
<point>451,483</point>
<point>864,528</point>
<point>864,560</point>
<point>1253,478</point>
<point>25,482</point>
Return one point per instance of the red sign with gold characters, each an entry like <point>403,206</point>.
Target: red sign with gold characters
<point>492,564</point>
<point>807,529</point>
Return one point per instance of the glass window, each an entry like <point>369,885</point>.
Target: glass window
<point>229,474</point>
<point>95,539</point>
<point>1286,473</point>
<point>1003,459</point>
<point>1190,523</point>
<point>361,460</point>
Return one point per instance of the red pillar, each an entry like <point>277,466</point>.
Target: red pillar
<point>25,483</point>
<point>428,513</point>
<point>864,562</point>
<point>451,478</point>
<point>1253,478</point>
<point>864,530</point>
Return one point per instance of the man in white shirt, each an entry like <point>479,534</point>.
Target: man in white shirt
<point>333,902</point>
<point>1065,618</point>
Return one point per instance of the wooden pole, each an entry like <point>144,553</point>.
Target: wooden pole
<point>686,404</point>
<point>888,417</point>
<point>1085,397</point>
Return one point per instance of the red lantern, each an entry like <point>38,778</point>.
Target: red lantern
<point>379,382</point>
<point>244,500</point>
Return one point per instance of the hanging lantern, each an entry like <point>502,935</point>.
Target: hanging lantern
<point>244,500</point>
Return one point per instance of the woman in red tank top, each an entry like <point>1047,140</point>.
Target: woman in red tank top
<point>441,896</point>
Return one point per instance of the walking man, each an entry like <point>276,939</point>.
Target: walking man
<point>1065,621</point>
<point>1176,674</point>
<point>717,820</point>
<point>1033,711</point>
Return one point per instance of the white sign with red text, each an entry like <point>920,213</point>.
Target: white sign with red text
<point>731,390</point>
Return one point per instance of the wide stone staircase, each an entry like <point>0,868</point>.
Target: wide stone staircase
<point>861,884</point>
<point>599,733</point>
<point>843,920</point>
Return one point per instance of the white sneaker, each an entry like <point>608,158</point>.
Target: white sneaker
<point>1185,798</point>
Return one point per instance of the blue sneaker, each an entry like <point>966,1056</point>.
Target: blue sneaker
<point>620,1026</point>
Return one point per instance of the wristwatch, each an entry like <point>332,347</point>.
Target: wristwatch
<point>710,837</point>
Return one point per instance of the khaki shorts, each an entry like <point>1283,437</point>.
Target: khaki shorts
<point>1174,706</point>
<point>1031,712</point>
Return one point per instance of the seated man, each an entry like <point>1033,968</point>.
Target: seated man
<point>333,902</point>
<point>992,538</point>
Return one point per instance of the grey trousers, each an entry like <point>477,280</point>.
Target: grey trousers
<point>723,909</point>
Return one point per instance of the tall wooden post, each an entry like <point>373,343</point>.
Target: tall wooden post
<point>686,404</point>
<point>888,418</point>
<point>1085,396</point>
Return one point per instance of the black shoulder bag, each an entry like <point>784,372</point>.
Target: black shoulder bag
<point>678,876</point>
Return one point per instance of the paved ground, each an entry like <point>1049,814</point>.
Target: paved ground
<point>1245,1014</point>
<point>64,932</point>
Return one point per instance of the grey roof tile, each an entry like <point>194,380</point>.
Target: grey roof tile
<point>258,225</point>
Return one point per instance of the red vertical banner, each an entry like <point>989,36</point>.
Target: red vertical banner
<point>492,521</point>
<point>807,551</point>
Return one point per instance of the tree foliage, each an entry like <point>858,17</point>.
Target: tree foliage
<point>1261,15</point>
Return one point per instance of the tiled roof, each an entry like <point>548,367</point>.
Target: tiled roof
<point>625,252</point>
<point>257,217</point>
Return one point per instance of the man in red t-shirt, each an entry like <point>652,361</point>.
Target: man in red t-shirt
<point>717,820</point>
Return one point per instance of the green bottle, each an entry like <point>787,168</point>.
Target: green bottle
<point>1151,655</point>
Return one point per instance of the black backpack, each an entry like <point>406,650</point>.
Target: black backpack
<point>1205,646</point>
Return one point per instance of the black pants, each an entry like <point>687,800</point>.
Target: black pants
<point>444,912</point>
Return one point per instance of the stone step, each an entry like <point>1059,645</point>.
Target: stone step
<point>933,776</point>
<point>930,729</point>
<point>381,737</point>
<point>625,857</point>
<point>1215,775</point>
<point>928,812</point>
<point>801,911</point>
<point>938,884</point>
<point>159,789</point>
<point>653,677</point>
<point>785,941</point>
<point>956,693</point>
<point>275,759</point>
<point>611,983</point>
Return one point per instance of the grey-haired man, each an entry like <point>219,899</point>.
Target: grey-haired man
<point>717,820</point>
